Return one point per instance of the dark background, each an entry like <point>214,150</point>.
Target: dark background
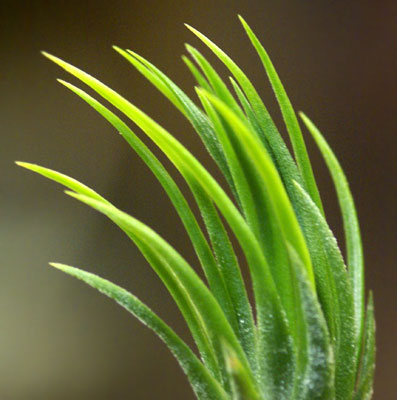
<point>61,340</point>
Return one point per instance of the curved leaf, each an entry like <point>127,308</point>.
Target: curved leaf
<point>291,121</point>
<point>203,384</point>
<point>281,204</point>
<point>184,104</point>
<point>268,132</point>
<point>162,268</point>
<point>334,292</point>
<point>220,242</point>
<point>355,259</point>
<point>196,74</point>
<point>190,293</point>
<point>212,270</point>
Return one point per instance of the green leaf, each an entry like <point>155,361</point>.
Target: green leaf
<point>196,74</point>
<point>249,113</point>
<point>315,377</point>
<point>268,133</point>
<point>221,244</point>
<point>367,366</point>
<point>209,264</point>
<point>246,180</point>
<point>355,259</point>
<point>267,300</point>
<point>282,211</point>
<point>282,207</point>
<point>243,186</point>
<point>220,241</point>
<point>334,292</point>
<point>228,265</point>
<point>184,104</point>
<point>219,87</point>
<point>196,302</point>
<point>203,384</point>
<point>198,178</point>
<point>64,180</point>
<point>290,118</point>
<point>180,295</point>
<point>241,389</point>
<point>255,202</point>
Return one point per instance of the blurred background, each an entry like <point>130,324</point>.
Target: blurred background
<point>58,338</point>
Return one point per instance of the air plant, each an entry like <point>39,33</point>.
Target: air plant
<point>307,335</point>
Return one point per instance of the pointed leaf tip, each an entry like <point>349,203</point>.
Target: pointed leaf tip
<point>26,165</point>
<point>49,56</point>
<point>189,47</point>
<point>73,194</point>
<point>195,31</point>
<point>58,61</point>
<point>62,82</point>
<point>61,267</point>
<point>117,48</point>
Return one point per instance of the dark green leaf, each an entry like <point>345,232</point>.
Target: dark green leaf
<point>334,292</point>
<point>355,260</point>
<point>315,378</point>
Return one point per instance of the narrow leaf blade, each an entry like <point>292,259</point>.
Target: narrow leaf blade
<point>355,259</point>
<point>188,290</point>
<point>200,244</point>
<point>367,368</point>
<point>203,384</point>
<point>334,292</point>
<point>289,116</point>
<point>315,378</point>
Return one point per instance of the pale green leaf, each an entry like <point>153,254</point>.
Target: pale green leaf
<point>211,268</point>
<point>181,296</point>
<point>189,292</point>
<point>196,174</point>
<point>203,384</point>
<point>184,104</point>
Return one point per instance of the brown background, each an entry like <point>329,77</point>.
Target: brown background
<point>59,339</point>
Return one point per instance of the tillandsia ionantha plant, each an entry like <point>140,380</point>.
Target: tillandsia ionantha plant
<point>308,334</point>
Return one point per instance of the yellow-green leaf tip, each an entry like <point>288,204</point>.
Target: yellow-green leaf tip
<point>55,265</point>
<point>71,193</point>
<point>62,267</point>
<point>25,165</point>
<point>63,82</point>
<point>49,56</point>
<point>117,48</point>
<point>241,19</point>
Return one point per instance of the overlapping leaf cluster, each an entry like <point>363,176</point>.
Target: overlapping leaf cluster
<point>307,336</point>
